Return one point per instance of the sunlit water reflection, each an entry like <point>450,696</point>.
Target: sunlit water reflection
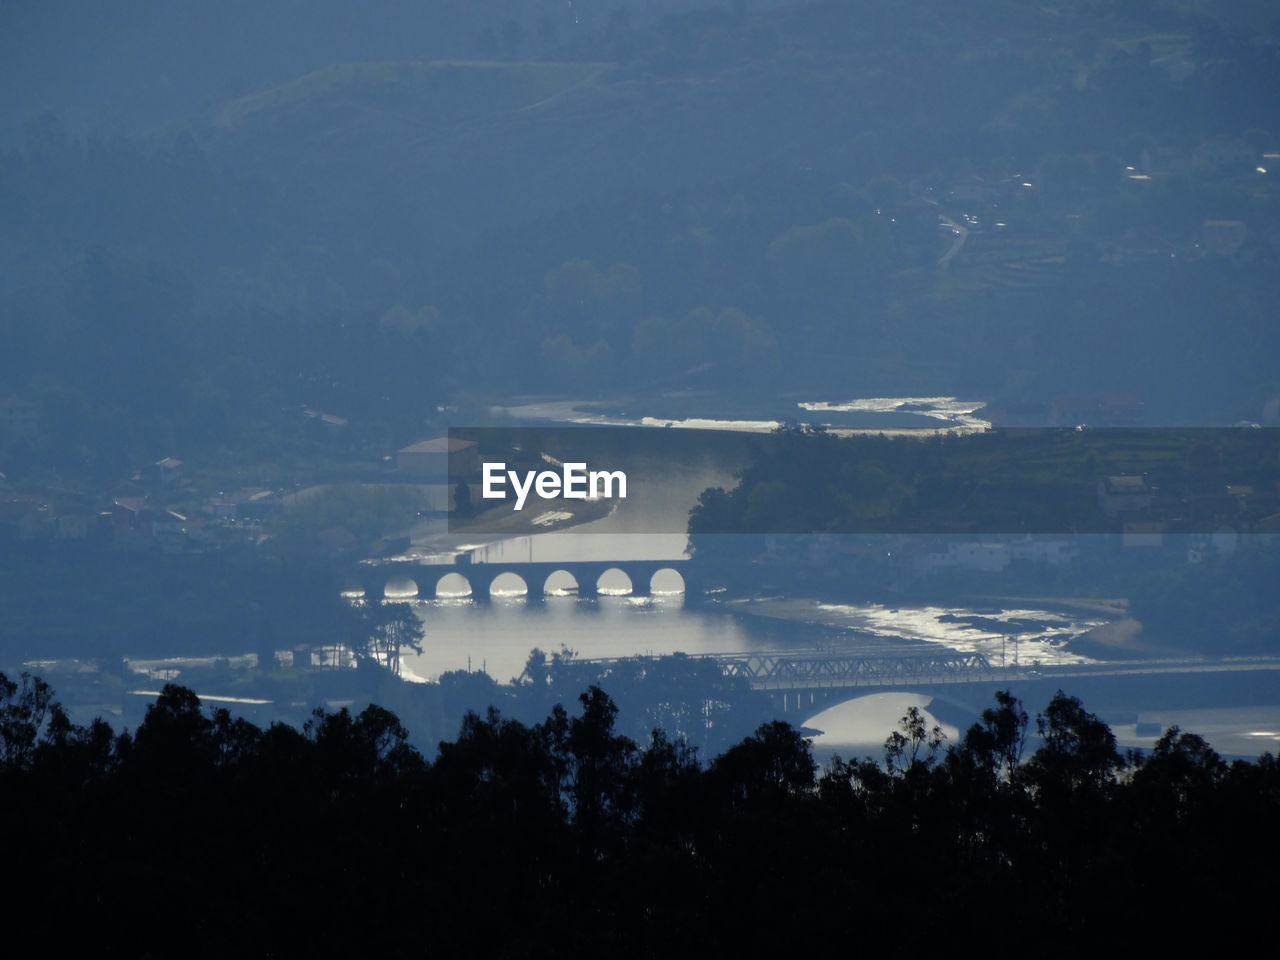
<point>497,635</point>
<point>1006,637</point>
<point>858,728</point>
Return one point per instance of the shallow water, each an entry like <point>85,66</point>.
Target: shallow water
<point>858,728</point>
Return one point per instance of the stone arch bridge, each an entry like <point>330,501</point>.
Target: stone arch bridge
<point>375,579</point>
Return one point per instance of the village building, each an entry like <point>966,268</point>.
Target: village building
<point>167,471</point>
<point>980,555</point>
<point>258,505</point>
<point>126,517</point>
<point>1054,552</point>
<point>440,457</point>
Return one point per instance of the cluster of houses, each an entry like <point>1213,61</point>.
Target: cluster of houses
<point>143,520</point>
<point>25,517</point>
<point>988,200</point>
<point>138,519</point>
<point>925,554</point>
<point>148,519</point>
<point>992,557</point>
<point>1217,519</point>
<point>1220,513</point>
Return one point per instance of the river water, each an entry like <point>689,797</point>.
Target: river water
<point>496,636</point>
<point>858,728</point>
<point>875,414</point>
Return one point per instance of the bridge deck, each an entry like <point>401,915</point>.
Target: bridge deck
<point>796,670</point>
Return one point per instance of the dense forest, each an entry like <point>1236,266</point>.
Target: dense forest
<point>202,834</point>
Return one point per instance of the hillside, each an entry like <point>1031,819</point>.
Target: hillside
<point>858,198</point>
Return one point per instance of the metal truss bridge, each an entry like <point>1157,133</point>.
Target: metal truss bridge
<point>802,670</point>
<point>797,670</point>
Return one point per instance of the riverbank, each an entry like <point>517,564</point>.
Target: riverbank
<point>718,410</point>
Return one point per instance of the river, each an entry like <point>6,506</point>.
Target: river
<point>496,636</point>
<point>499,634</point>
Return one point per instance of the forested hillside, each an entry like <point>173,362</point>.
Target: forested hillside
<point>1005,200</point>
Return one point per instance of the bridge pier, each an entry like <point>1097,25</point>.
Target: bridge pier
<point>800,701</point>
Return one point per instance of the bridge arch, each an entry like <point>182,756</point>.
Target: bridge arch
<point>508,584</point>
<point>400,588</point>
<point>666,581</point>
<point>560,583</point>
<point>614,582</point>
<point>453,586</point>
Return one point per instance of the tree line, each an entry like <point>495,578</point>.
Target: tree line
<point>203,833</point>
